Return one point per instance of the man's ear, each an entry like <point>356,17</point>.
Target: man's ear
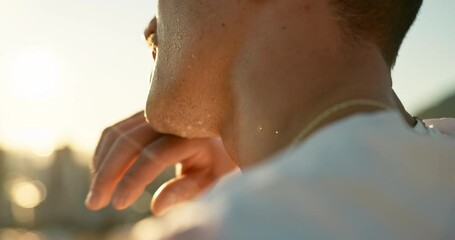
<point>151,28</point>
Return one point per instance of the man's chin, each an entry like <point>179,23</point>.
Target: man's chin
<point>181,117</point>
<point>179,128</point>
<point>185,133</point>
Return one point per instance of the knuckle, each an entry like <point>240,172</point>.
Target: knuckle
<point>128,181</point>
<point>132,182</point>
<point>122,139</point>
<point>106,131</point>
<point>101,180</point>
<point>105,177</point>
<point>125,142</point>
<point>112,133</point>
<point>151,157</point>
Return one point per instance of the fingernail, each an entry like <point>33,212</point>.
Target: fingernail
<point>119,202</point>
<point>168,203</point>
<point>91,201</point>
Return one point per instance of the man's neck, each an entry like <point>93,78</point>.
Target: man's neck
<point>283,80</point>
<point>273,110</point>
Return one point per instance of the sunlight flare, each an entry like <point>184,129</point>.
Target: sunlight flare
<point>33,74</point>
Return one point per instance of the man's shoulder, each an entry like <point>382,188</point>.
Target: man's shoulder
<point>360,147</point>
<point>368,177</point>
<point>341,178</point>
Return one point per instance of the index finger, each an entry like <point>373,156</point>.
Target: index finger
<point>154,159</point>
<point>120,157</point>
<point>109,136</point>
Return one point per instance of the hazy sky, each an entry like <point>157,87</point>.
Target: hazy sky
<point>70,68</point>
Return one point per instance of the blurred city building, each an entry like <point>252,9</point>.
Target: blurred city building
<point>48,203</point>
<point>5,208</point>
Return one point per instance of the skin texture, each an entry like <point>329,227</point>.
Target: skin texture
<point>131,155</point>
<point>198,58</point>
<point>252,73</point>
<point>229,68</point>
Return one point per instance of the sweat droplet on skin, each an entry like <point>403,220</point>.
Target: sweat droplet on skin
<point>259,128</point>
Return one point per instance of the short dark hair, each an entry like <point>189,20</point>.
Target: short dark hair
<point>384,22</point>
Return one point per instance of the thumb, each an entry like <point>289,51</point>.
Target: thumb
<point>179,190</point>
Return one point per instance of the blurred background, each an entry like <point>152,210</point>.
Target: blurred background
<point>68,69</point>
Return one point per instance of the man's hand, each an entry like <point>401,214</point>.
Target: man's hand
<point>130,155</point>
<point>444,125</point>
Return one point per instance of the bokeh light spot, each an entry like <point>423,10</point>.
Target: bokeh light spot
<point>26,194</point>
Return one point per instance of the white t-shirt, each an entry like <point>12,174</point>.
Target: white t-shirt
<point>369,176</point>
